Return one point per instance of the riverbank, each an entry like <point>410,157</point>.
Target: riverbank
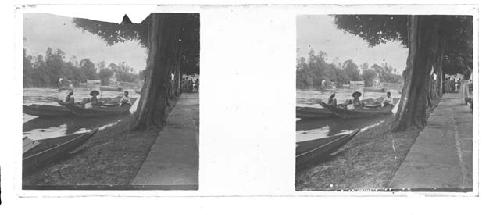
<point>112,157</point>
<point>368,161</point>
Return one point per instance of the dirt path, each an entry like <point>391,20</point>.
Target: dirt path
<point>172,162</point>
<point>442,154</point>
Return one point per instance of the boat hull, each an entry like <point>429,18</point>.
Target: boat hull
<point>46,110</point>
<point>310,154</point>
<point>312,113</point>
<point>51,150</point>
<point>99,111</point>
<point>358,113</point>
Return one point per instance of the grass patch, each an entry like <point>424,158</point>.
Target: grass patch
<point>368,161</point>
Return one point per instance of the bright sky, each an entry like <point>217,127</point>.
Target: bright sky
<point>319,32</point>
<point>57,32</point>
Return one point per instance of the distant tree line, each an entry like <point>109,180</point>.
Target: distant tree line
<point>46,70</point>
<point>312,71</point>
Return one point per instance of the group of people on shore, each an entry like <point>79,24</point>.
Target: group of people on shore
<point>190,84</point>
<point>93,101</point>
<point>451,85</point>
<point>356,103</point>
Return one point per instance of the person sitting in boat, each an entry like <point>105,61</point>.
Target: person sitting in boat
<point>387,100</point>
<point>69,98</point>
<point>355,101</point>
<point>93,98</point>
<point>332,100</point>
<point>125,100</point>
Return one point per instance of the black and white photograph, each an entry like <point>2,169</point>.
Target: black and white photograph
<point>110,105</point>
<point>384,102</point>
<point>214,107</point>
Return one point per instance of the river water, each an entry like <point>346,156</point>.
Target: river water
<point>308,130</point>
<point>37,128</point>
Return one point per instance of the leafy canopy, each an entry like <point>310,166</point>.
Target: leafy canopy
<point>378,29</point>
<point>112,33</point>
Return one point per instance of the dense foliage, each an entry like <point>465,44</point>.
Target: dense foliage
<point>114,33</point>
<point>45,71</point>
<point>437,44</point>
<point>378,29</point>
<point>312,71</point>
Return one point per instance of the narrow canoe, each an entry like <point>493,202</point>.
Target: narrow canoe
<point>46,110</point>
<point>307,154</point>
<point>52,150</point>
<point>105,101</point>
<point>110,107</point>
<point>100,111</point>
<point>312,113</point>
<point>358,113</point>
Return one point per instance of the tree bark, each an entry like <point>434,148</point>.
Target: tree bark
<point>163,60</point>
<point>439,66</point>
<point>423,50</point>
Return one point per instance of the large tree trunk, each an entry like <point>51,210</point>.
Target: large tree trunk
<point>423,51</point>
<point>439,66</point>
<point>163,60</point>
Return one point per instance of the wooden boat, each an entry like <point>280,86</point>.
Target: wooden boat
<point>358,113</point>
<point>52,149</point>
<point>110,88</point>
<point>312,113</point>
<point>99,111</point>
<point>310,153</point>
<point>110,102</point>
<point>46,110</point>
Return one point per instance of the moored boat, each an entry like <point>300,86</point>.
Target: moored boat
<point>358,113</point>
<point>52,149</point>
<point>312,113</point>
<point>46,110</point>
<point>99,111</point>
<point>309,153</point>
